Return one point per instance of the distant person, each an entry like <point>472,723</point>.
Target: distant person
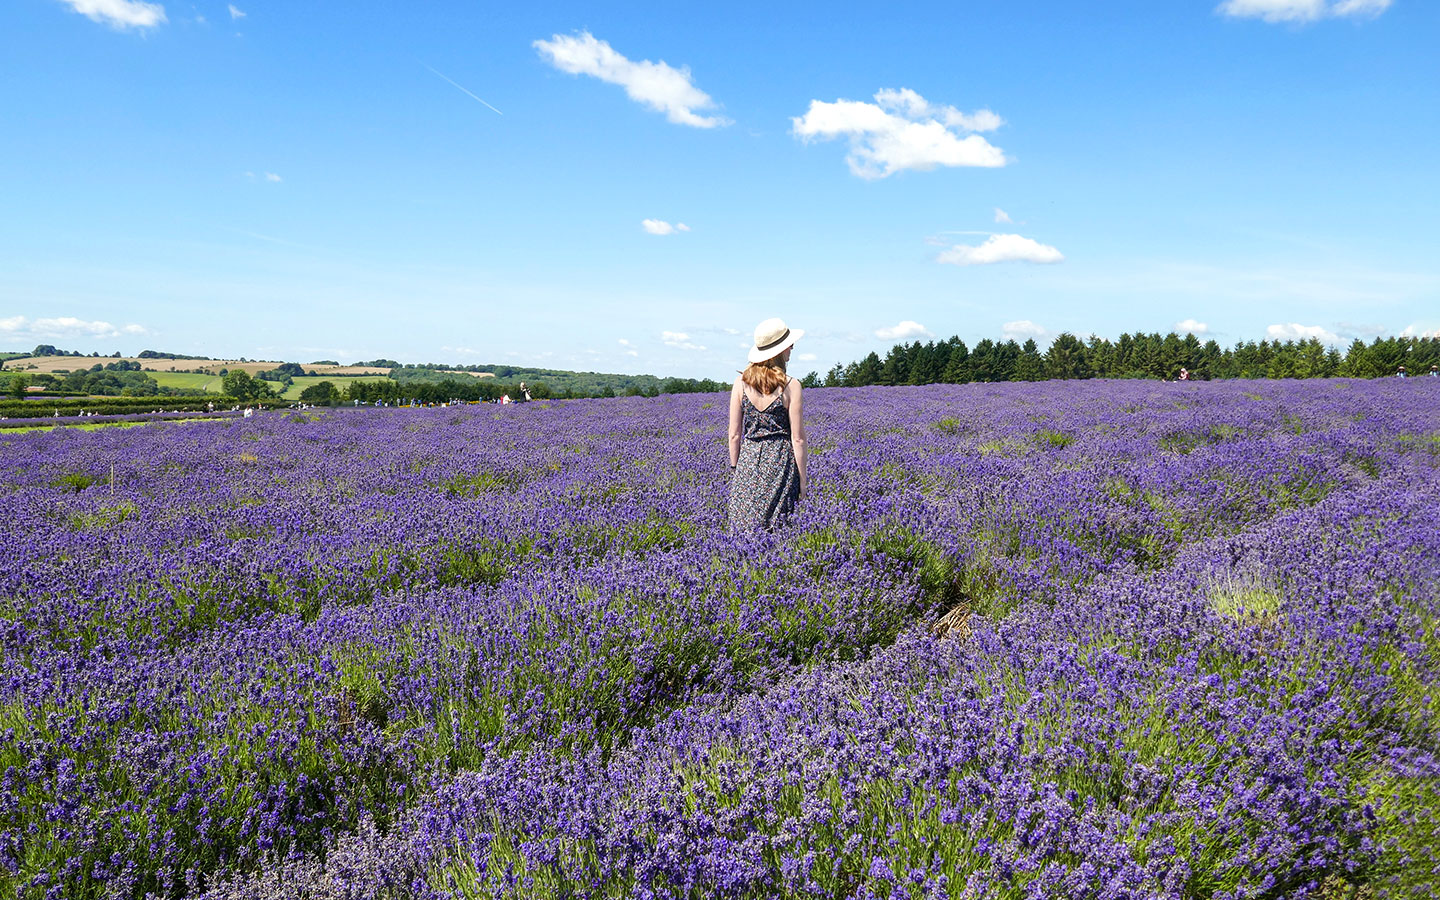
<point>767,433</point>
<point>1184,374</point>
<point>1400,372</point>
<point>504,399</point>
<point>524,391</point>
<point>1435,371</point>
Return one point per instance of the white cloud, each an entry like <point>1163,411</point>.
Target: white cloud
<point>1023,329</point>
<point>1003,217</point>
<point>806,357</point>
<point>902,330</point>
<point>660,226</point>
<point>65,327</point>
<point>1294,331</point>
<point>1419,331</point>
<point>272,177</point>
<point>1300,10</point>
<point>1001,248</point>
<point>901,130</point>
<point>679,340</point>
<point>236,13</point>
<point>120,13</point>
<point>656,85</point>
<point>1190,326</point>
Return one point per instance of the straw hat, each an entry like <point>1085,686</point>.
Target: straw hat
<point>772,338</point>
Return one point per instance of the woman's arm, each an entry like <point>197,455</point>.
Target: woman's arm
<point>797,431</point>
<point>736,423</point>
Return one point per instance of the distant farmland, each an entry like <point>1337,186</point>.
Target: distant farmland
<point>211,384</point>
<point>176,366</point>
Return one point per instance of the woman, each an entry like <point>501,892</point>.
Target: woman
<point>767,435</point>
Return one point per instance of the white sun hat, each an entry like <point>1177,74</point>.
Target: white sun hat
<point>772,338</point>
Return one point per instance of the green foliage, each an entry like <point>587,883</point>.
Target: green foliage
<point>108,406</point>
<point>238,384</point>
<point>486,482</point>
<point>323,392</point>
<point>75,481</point>
<point>948,425</point>
<point>1131,356</point>
<point>104,517</point>
<point>1056,440</point>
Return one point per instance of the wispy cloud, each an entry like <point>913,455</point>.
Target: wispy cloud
<point>1003,217</point>
<point>1001,248</point>
<point>65,327</point>
<point>902,330</point>
<point>901,130</point>
<point>1301,10</point>
<point>654,84</point>
<point>660,226</point>
<point>629,348</point>
<point>236,13</point>
<point>679,340</point>
<point>463,89</point>
<point>264,176</point>
<point>1191,326</point>
<point>120,14</point>
<point>1294,331</point>
<point>1359,329</point>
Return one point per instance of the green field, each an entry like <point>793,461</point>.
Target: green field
<point>209,384</point>
<point>304,381</point>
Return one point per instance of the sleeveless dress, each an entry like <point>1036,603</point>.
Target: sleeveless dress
<point>766,484</point>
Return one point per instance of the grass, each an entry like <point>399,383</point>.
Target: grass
<point>95,426</point>
<point>304,381</point>
<point>190,381</point>
<point>86,426</point>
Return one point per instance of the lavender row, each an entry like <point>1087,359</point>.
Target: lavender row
<point>1258,720</point>
<point>274,631</point>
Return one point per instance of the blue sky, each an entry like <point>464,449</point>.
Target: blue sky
<point>469,182</point>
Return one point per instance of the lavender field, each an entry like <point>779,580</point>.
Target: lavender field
<point>1191,650</point>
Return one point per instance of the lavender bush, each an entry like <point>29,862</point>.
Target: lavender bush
<point>497,652</point>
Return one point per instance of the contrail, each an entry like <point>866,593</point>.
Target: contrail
<point>462,87</point>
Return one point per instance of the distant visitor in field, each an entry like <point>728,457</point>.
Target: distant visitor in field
<point>767,433</point>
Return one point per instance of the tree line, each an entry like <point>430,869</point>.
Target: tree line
<point>1131,356</point>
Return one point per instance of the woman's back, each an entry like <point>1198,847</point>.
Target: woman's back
<point>771,421</point>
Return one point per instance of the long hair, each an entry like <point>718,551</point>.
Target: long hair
<point>765,377</point>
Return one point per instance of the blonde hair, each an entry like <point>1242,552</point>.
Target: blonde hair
<point>766,377</point>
